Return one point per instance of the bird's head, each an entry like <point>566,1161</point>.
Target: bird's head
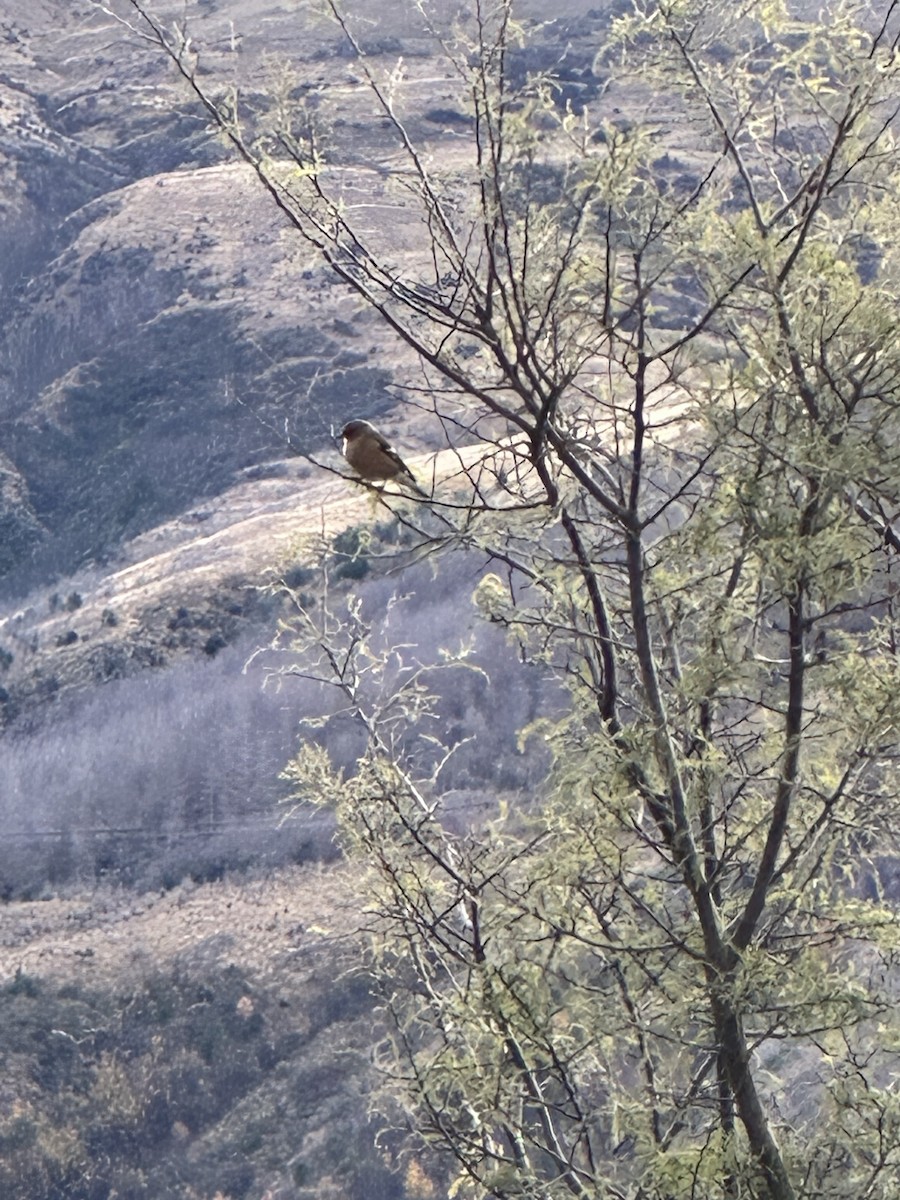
<point>354,429</point>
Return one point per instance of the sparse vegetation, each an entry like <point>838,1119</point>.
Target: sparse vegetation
<point>189,1081</point>
<point>119,783</point>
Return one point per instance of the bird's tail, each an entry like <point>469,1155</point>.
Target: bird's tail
<point>408,481</point>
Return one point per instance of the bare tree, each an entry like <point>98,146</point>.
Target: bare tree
<point>660,329</point>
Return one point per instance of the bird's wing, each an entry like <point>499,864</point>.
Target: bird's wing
<point>386,448</point>
<point>383,443</point>
<point>392,454</point>
<point>405,473</point>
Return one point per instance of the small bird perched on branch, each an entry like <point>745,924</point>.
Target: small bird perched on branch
<point>372,456</point>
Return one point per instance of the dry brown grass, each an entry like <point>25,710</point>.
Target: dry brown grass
<point>270,927</point>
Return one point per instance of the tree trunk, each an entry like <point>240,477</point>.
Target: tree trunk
<point>734,1057</point>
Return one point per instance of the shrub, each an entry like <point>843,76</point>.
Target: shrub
<point>297,576</point>
<point>350,547</point>
<point>214,643</point>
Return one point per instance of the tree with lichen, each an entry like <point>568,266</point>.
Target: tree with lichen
<point>663,352</point>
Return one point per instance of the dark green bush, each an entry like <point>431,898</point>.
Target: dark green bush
<point>354,568</point>
<point>350,548</point>
<point>214,643</point>
<point>298,576</point>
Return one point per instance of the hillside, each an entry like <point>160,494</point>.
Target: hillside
<point>210,1040</point>
<point>161,329</point>
<point>169,356</point>
<point>181,1011</point>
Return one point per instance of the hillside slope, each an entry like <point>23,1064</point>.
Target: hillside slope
<point>160,325</point>
<point>179,991</point>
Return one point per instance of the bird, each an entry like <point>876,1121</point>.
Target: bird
<point>372,456</point>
